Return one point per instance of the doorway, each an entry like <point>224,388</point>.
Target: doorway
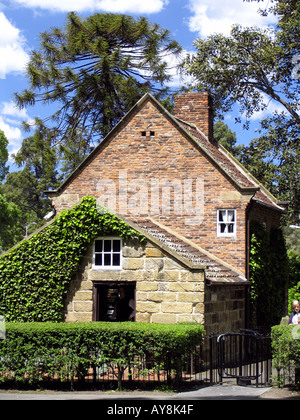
<point>114,301</point>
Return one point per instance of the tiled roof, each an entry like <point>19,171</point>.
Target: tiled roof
<point>215,270</point>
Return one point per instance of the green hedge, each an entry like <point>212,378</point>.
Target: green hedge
<point>285,349</point>
<point>33,351</point>
<point>35,275</point>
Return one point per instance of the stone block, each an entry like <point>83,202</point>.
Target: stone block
<point>162,296</point>
<point>83,295</point>
<point>133,263</point>
<point>142,317</point>
<point>192,297</point>
<point>150,307</point>
<point>177,307</point>
<point>146,286</point>
<point>153,252</point>
<point>83,306</point>
<point>164,318</point>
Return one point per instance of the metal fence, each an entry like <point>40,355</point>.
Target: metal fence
<point>244,356</point>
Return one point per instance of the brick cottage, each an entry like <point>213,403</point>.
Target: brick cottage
<point>166,176</point>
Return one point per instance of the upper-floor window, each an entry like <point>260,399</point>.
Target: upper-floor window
<point>107,253</point>
<point>226,222</point>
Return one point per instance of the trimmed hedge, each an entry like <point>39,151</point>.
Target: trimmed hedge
<point>34,351</point>
<point>285,349</point>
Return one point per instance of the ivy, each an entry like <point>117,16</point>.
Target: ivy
<point>35,275</point>
<point>269,270</point>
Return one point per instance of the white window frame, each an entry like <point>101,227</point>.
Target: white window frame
<point>227,222</point>
<point>103,252</point>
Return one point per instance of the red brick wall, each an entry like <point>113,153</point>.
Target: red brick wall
<point>165,156</point>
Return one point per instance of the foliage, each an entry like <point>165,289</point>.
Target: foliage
<point>10,230</point>
<point>3,156</point>
<point>269,270</point>
<point>26,187</point>
<point>285,349</point>
<point>294,284</point>
<point>32,351</point>
<point>224,136</point>
<point>34,276</point>
<point>96,69</point>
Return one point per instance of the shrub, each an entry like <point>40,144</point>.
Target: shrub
<point>285,349</point>
<point>33,351</point>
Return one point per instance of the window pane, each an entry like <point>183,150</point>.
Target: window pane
<point>98,245</point>
<point>222,227</point>
<point>230,216</point>
<point>116,259</point>
<point>117,245</point>
<point>107,259</point>
<point>98,259</point>
<point>107,245</point>
<point>222,215</point>
<point>230,228</point>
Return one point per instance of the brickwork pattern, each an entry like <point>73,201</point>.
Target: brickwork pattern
<point>167,156</point>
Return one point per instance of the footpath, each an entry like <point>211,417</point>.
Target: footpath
<point>215,392</point>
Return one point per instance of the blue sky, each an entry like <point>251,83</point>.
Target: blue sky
<point>21,22</point>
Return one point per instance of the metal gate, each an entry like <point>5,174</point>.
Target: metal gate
<point>244,356</point>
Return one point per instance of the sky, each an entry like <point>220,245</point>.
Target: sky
<point>21,22</point>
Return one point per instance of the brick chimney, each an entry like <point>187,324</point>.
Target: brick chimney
<point>196,108</point>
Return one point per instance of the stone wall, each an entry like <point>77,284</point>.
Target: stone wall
<point>224,308</point>
<point>166,290</point>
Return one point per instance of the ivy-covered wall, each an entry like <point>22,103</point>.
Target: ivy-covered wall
<point>35,275</point>
<point>269,273</point>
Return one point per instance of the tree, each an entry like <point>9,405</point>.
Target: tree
<point>250,68</point>
<point>3,156</point>
<point>10,214</point>
<point>227,138</point>
<point>10,229</point>
<point>26,187</point>
<point>96,69</point>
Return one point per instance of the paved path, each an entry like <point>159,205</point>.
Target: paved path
<point>221,392</point>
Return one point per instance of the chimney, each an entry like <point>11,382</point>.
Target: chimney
<point>196,108</point>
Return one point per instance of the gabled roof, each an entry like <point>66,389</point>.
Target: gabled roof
<point>187,253</point>
<point>217,154</point>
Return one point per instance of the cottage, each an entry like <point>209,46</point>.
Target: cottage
<point>166,176</point>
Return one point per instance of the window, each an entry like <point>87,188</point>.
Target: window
<point>226,222</point>
<point>107,253</point>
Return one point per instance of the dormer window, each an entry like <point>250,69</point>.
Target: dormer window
<point>226,222</point>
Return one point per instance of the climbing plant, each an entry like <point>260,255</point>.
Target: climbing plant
<point>269,271</point>
<point>34,276</point>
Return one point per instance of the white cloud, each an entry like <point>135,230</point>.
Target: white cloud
<point>10,123</point>
<point>215,16</point>
<point>13,134</point>
<point>12,52</point>
<point>113,6</point>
